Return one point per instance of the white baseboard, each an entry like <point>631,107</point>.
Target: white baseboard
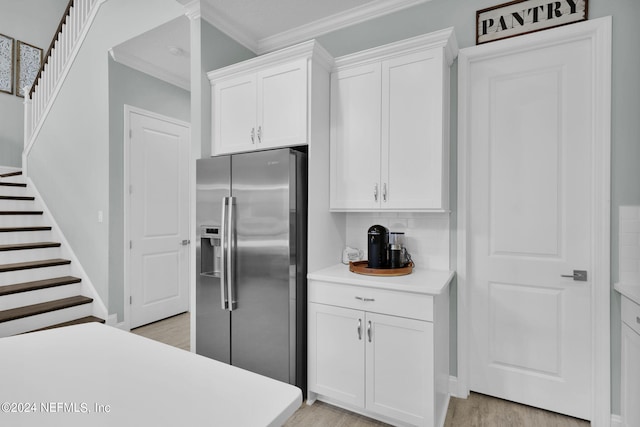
<point>454,388</point>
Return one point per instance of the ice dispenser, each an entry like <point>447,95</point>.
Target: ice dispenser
<point>210,250</point>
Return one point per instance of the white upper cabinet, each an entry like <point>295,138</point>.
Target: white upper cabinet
<point>390,126</point>
<point>265,102</point>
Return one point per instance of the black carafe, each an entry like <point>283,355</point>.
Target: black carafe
<point>378,237</point>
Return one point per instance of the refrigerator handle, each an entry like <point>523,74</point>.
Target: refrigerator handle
<point>231,239</point>
<point>224,301</point>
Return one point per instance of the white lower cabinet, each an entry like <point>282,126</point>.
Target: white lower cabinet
<point>381,365</point>
<point>630,371</point>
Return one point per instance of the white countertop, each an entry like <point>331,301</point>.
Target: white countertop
<point>144,383</point>
<point>630,291</point>
<point>421,281</point>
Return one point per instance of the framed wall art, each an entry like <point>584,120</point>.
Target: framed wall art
<point>6,64</point>
<point>29,60</point>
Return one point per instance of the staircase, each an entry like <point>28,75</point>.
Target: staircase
<point>37,290</point>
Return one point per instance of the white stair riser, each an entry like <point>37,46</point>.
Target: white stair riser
<point>21,220</point>
<point>40,321</point>
<point>26,255</point>
<point>21,276</point>
<point>13,191</point>
<point>15,178</point>
<point>14,237</point>
<point>22,299</point>
<point>16,205</point>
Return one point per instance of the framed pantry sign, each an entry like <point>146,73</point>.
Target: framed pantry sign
<point>526,16</point>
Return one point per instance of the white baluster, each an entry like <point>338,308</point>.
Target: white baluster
<point>27,118</point>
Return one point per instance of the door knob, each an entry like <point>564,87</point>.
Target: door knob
<point>578,275</point>
<point>185,242</point>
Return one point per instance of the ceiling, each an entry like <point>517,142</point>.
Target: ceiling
<point>260,25</point>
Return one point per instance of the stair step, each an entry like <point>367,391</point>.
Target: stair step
<point>33,264</point>
<point>45,307</point>
<point>14,229</point>
<point>87,319</point>
<point>38,284</point>
<point>12,184</point>
<point>8,174</point>
<point>20,212</point>
<point>24,246</point>
<point>28,198</point>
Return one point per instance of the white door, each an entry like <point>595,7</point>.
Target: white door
<point>355,138</point>
<point>158,218</point>
<point>531,222</point>
<point>336,353</point>
<point>282,105</point>
<point>234,115</point>
<point>400,361</point>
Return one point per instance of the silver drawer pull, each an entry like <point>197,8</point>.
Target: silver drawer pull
<point>369,330</point>
<point>365,299</point>
<point>359,329</point>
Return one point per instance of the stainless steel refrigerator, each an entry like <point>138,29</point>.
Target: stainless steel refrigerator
<point>251,262</point>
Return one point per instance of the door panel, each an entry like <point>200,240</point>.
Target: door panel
<point>260,324</point>
<point>213,324</point>
<point>234,125</point>
<point>159,222</point>
<point>399,361</point>
<point>282,105</point>
<point>355,138</point>
<point>531,222</point>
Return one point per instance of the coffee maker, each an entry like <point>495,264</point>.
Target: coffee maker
<point>378,240</point>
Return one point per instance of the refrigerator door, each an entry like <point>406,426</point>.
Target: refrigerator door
<point>263,324</point>
<point>213,323</point>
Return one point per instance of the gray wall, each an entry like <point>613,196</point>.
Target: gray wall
<point>33,22</point>
<point>131,87</point>
<point>438,14</point>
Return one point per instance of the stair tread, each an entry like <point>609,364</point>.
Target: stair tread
<point>44,307</point>
<point>30,198</point>
<point>33,264</point>
<point>8,174</point>
<point>79,321</point>
<point>12,184</point>
<point>24,246</point>
<point>20,212</point>
<point>14,229</point>
<point>38,284</point>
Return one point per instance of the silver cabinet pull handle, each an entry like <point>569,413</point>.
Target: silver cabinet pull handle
<point>359,329</point>
<point>375,192</point>
<point>253,135</point>
<point>369,330</point>
<point>365,299</point>
<point>259,134</point>
<point>384,192</point>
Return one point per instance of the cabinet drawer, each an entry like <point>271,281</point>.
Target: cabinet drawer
<point>631,314</point>
<point>403,304</point>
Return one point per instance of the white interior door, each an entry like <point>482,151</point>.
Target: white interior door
<point>531,217</point>
<point>158,218</point>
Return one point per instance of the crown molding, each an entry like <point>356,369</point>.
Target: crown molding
<point>224,24</point>
<point>335,22</point>
<point>309,31</point>
<point>151,69</point>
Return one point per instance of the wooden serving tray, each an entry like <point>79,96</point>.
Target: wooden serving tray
<point>360,267</point>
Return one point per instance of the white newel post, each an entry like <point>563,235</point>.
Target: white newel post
<point>27,128</point>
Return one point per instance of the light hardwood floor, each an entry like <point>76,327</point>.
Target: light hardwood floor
<point>476,411</point>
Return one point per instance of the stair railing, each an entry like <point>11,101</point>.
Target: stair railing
<point>56,63</point>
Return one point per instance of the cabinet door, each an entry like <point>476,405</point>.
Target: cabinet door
<point>336,353</point>
<point>234,115</point>
<point>630,377</point>
<point>355,138</point>
<point>399,362</point>
<point>413,160</point>
<point>282,105</point>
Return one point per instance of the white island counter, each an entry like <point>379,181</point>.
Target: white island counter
<point>96,375</point>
